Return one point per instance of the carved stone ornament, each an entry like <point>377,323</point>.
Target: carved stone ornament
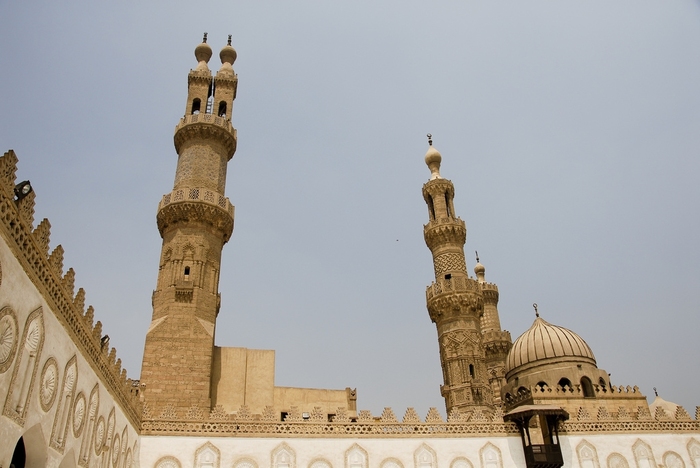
<point>116,446</point>
<point>79,414</point>
<point>8,338</point>
<point>49,384</point>
<point>99,435</point>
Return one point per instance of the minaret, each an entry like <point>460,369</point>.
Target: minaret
<point>497,342</point>
<point>455,301</point>
<point>195,220</point>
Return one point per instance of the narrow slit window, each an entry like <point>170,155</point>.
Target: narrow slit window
<point>447,206</point>
<point>222,109</point>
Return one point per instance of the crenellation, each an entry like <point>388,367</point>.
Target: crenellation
<point>69,283</point>
<point>56,261</point>
<point>8,170</point>
<point>79,301</point>
<point>89,317</point>
<point>410,416</point>
<point>433,416</point>
<point>26,208</point>
<point>41,235</point>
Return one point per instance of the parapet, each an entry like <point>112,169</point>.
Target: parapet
<point>46,272</point>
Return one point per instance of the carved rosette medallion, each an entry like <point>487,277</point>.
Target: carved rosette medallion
<point>99,435</point>
<point>49,384</point>
<point>8,338</point>
<point>79,414</point>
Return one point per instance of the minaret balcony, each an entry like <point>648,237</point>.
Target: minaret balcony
<point>189,194</point>
<point>452,285</point>
<point>208,126</point>
<point>187,204</point>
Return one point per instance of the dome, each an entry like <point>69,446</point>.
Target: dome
<point>544,343</point>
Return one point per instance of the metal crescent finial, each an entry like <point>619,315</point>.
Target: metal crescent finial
<point>430,139</point>
<point>205,38</point>
<point>536,312</point>
<point>655,392</point>
<point>477,256</point>
<point>229,39</point>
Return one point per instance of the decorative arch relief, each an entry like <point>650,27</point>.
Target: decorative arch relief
<point>48,384</point>
<point>694,452</point>
<point>615,460</point>
<point>461,462</point>
<point>25,368</point>
<point>673,460</point>
<point>587,455</point>
<point>643,455</point>
<point>9,332</point>
<point>283,457</point>
<point>357,457</point>
<point>320,463</point>
<point>245,463</point>
<point>62,420</point>
<point>425,457</point>
<point>168,462</point>
<point>207,456</point>
<point>391,463</point>
<point>490,456</point>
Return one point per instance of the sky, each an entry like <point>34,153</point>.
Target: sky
<point>569,129</point>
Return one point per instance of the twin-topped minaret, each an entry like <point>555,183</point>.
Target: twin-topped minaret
<point>195,220</point>
<point>473,347</point>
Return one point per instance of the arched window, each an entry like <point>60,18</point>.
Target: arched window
<point>222,109</point>
<point>564,382</point>
<point>196,104</point>
<point>471,370</point>
<point>603,384</point>
<point>542,384</point>
<point>431,208</point>
<point>587,387</point>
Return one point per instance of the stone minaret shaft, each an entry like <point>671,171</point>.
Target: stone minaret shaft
<point>455,301</point>
<point>195,220</point>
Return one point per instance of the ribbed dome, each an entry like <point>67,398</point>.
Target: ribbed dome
<point>544,341</point>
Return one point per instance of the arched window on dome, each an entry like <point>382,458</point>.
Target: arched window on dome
<point>587,388</point>
<point>196,105</point>
<point>564,382</point>
<point>542,384</point>
<point>603,384</point>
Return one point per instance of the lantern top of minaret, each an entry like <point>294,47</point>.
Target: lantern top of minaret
<point>203,53</point>
<point>433,158</point>
<point>228,54</point>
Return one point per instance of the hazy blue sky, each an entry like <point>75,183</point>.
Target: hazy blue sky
<point>570,130</point>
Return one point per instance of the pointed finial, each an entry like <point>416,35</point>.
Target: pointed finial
<point>655,392</point>
<point>204,39</point>
<point>477,256</point>
<point>536,311</point>
<point>430,139</point>
<point>229,39</point>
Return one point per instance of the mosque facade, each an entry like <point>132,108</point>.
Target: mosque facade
<point>538,402</point>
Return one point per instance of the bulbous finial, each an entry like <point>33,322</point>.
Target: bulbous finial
<point>227,55</point>
<point>479,269</point>
<point>536,311</point>
<point>433,158</point>
<point>203,53</point>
